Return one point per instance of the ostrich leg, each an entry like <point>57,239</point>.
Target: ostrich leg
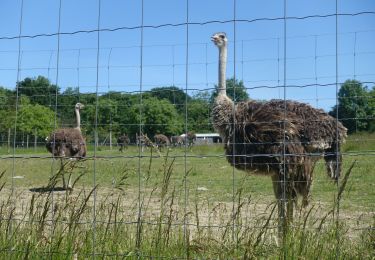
<point>277,183</point>
<point>285,203</point>
<point>62,172</point>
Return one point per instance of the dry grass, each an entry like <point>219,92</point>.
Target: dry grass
<point>177,206</point>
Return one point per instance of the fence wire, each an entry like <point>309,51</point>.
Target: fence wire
<point>178,200</point>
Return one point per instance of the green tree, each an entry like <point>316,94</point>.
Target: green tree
<point>35,119</point>
<point>173,94</point>
<point>39,90</point>
<point>235,90</point>
<point>122,116</point>
<point>156,116</point>
<point>7,109</point>
<point>199,115</point>
<point>65,104</point>
<point>105,122</point>
<point>354,107</point>
<point>372,110</point>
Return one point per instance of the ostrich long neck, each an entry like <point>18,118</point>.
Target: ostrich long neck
<point>222,111</point>
<point>222,70</point>
<point>78,119</point>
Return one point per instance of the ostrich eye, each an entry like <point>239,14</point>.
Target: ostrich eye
<point>222,36</point>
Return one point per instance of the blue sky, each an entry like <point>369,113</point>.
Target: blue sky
<point>259,46</point>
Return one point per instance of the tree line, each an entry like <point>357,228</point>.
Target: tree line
<point>42,107</point>
<point>37,107</point>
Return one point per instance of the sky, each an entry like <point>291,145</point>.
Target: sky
<point>183,55</point>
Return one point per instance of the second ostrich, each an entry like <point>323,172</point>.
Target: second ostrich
<point>123,141</point>
<point>161,141</point>
<point>68,142</point>
<point>279,138</point>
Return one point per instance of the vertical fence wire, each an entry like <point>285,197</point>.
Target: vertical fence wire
<point>338,152</point>
<point>19,57</point>
<point>55,117</point>
<point>17,97</point>
<point>278,67</point>
<point>78,75</point>
<point>49,69</point>
<point>186,219</point>
<point>354,77</point>
<point>316,70</point>
<point>355,56</point>
<point>283,177</point>
<point>242,62</point>
<point>140,132</point>
<point>109,98</point>
<point>234,236</point>
<point>96,132</point>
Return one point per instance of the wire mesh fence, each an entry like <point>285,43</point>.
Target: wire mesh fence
<point>121,138</point>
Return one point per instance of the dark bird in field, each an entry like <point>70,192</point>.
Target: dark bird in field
<point>68,142</point>
<point>123,141</point>
<point>279,138</point>
<point>191,137</point>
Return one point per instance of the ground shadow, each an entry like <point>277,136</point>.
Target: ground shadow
<point>47,189</point>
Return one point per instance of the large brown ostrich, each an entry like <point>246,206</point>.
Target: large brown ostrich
<point>279,138</point>
<point>161,141</point>
<point>123,141</point>
<point>68,142</point>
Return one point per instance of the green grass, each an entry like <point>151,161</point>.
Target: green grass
<point>200,189</point>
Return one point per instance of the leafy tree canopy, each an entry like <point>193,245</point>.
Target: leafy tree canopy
<point>354,106</point>
<point>156,116</point>
<point>39,90</point>
<point>34,118</point>
<point>235,90</point>
<point>199,113</point>
<point>173,94</point>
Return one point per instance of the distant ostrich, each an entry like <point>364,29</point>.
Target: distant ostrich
<point>177,140</point>
<point>68,142</point>
<point>191,137</point>
<point>161,141</point>
<point>279,138</point>
<point>123,141</point>
<point>143,141</point>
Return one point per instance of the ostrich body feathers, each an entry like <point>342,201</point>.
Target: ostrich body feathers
<point>67,142</point>
<point>277,137</point>
<point>161,140</point>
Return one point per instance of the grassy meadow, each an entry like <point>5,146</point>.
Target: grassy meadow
<point>179,203</point>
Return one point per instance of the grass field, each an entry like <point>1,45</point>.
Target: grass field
<point>192,204</point>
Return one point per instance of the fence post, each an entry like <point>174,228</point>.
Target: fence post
<point>35,140</point>
<point>8,139</point>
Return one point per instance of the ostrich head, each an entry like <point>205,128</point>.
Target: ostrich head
<point>219,39</point>
<point>79,106</point>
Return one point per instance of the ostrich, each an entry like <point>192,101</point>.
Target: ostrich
<point>191,137</point>
<point>123,141</point>
<point>279,138</point>
<point>143,141</point>
<point>68,142</point>
<point>161,141</point>
<point>177,140</point>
